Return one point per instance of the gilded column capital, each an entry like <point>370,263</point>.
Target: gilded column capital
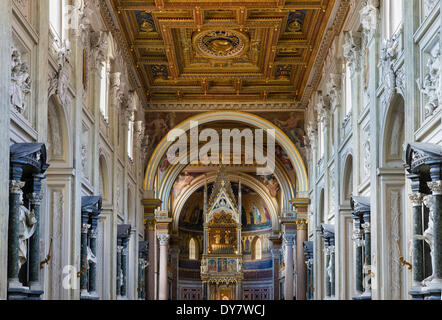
<point>301,224</point>
<point>149,224</point>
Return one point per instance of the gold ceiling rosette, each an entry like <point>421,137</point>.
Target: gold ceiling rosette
<point>221,44</point>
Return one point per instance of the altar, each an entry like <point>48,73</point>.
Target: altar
<point>221,265</point>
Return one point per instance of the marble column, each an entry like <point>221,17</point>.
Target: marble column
<point>93,264</point>
<point>288,282</point>
<point>301,236</point>
<point>118,272</point>
<point>357,237</point>
<point>435,287</point>
<point>327,274</point>
<point>150,234</point>
<point>34,241</point>
<point>124,250</point>
<point>163,281</point>
<point>416,199</point>
<point>367,255</point>
<point>143,250</point>
<point>15,201</point>
<point>83,254</point>
<point>332,271</point>
<point>308,258</point>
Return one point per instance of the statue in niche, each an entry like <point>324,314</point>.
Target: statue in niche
<point>20,81</point>
<point>428,235</point>
<point>227,237</point>
<point>27,225</point>
<point>217,238</point>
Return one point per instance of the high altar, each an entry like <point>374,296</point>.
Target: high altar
<point>221,265</point>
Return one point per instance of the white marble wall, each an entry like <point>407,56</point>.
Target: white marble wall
<point>390,108</point>
<point>87,155</point>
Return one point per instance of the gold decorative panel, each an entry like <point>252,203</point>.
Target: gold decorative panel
<point>223,50</point>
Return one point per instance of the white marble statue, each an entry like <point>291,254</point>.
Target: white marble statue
<point>27,225</point>
<point>20,81</point>
<point>428,235</point>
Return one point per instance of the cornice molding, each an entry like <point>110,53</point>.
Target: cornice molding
<point>208,106</point>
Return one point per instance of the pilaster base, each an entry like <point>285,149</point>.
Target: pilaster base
<point>90,297</point>
<point>362,297</point>
<point>24,293</point>
<point>416,293</point>
<point>433,294</point>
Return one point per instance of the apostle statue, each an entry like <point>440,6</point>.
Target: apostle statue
<point>27,225</point>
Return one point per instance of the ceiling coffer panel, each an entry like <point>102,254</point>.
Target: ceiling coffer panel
<point>199,50</point>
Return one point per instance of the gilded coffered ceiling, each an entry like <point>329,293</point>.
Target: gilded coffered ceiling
<point>222,50</point>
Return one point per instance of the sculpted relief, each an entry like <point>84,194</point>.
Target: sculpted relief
<point>20,82</point>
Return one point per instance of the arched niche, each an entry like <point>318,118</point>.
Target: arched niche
<point>59,142</point>
<point>393,134</point>
<point>131,214</point>
<point>104,178</point>
<point>347,182</point>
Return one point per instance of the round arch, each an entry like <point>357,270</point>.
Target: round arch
<point>59,135</point>
<point>245,180</point>
<point>347,179</point>
<point>281,138</point>
<point>104,176</point>
<point>174,171</point>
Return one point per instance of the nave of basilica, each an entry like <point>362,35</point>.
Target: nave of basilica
<point>341,96</point>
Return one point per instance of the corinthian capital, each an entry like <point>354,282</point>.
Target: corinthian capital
<point>352,50</point>
<point>163,238</point>
<point>334,89</point>
<point>288,239</point>
<point>435,187</point>
<point>99,46</point>
<point>369,16</point>
<point>416,199</point>
<point>323,108</point>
